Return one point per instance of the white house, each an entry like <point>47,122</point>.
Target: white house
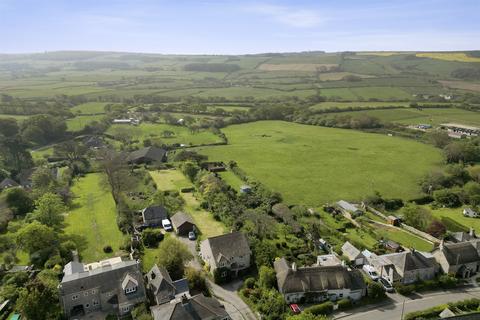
<point>318,283</point>
<point>469,212</point>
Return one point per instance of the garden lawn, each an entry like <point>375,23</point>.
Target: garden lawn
<point>231,179</point>
<point>155,130</point>
<point>312,165</point>
<point>79,122</point>
<point>404,238</point>
<point>175,180</point>
<point>454,219</point>
<point>94,218</point>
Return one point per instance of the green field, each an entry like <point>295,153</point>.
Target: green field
<point>231,179</point>
<point>79,122</point>
<point>89,108</point>
<point>155,131</point>
<point>454,219</point>
<point>94,218</point>
<point>410,116</point>
<point>313,165</point>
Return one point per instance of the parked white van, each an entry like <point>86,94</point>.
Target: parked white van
<point>167,225</point>
<point>370,271</point>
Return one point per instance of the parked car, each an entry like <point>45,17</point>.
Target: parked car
<point>167,225</point>
<point>386,285</point>
<point>295,308</point>
<point>370,271</point>
<point>192,236</point>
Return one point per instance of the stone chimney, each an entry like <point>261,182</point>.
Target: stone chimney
<point>294,267</point>
<point>472,233</point>
<point>442,243</point>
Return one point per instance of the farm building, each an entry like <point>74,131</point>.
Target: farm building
<point>8,183</point>
<point>461,259</point>
<point>460,130</point>
<point>392,245</point>
<point>469,212</point>
<point>131,121</point>
<point>229,252</point>
<point>318,283</point>
<point>162,288</point>
<point>213,166</point>
<point>147,156</point>
<point>182,223</point>
<point>353,254</point>
<point>349,208</point>
<point>152,216</point>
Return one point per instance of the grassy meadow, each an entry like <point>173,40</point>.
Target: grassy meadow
<point>155,131</point>
<point>94,218</point>
<point>313,165</point>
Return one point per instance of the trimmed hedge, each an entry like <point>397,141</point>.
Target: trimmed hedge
<point>344,304</point>
<point>321,309</point>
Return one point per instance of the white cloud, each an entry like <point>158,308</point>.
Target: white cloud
<point>293,17</point>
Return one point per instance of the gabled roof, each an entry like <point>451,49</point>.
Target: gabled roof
<point>408,261</point>
<point>8,183</point>
<point>460,253</point>
<point>180,218</point>
<point>198,307</point>
<point>229,245</point>
<point>350,251</point>
<point>155,212</point>
<point>162,286</point>
<point>128,279</point>
<point>149,153</point>
<point>316,279</point>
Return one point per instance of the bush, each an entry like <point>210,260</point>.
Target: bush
<point>321,309</point>
<point>249,283</point>
<point>375,291</point>
<point>344,304</point>
<point>447,282</point>
<point>151,237</point>
<point>107,249</point>
<point>404,290</point>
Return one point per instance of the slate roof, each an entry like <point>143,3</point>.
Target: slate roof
<point>8,183</point>
<point>180,218</point>
<point>149,154</point>
<point>350,251</point>
<point>460,253</point>
<point>316,279</point>
<point>198,307</point>
<point>408,261</point>
<point>108,277</point>
<point>162,286</point>
<point>154,212</point>
<point>229,245</point>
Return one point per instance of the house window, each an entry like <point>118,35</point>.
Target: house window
<point>94,291</point>
<point>126,309</point>
<point>85,293</point>
<point>130,290</point>
<point>75,297</point>
<point>224,274</point>
<point>95,303</point>
<point>87,305</point>
<point>340,295</point>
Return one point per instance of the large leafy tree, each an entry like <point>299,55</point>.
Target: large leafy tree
<point>35,236</point>
<point>49,210</point>
<point>19,201</point>
<point>38,299</point>
<point>173,255</point>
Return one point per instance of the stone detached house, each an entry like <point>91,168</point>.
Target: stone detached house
<point>8,183</point>
<point>229,252</point>
<point>162,288</point>
<point>406,267</point>
<point>318,283</point>
<point>111,286</point>
<point>459,259</point>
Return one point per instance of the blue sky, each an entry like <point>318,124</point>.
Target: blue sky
<point>234,27</point>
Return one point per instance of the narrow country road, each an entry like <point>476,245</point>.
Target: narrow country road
<point>398,305</point>
<point>226,294</point>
